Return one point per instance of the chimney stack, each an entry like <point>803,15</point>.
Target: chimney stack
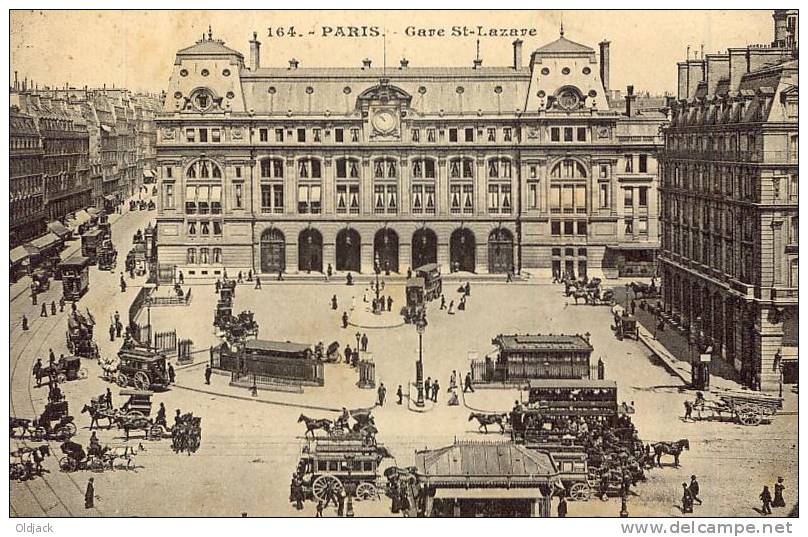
<point>404,63</point>
<point>517,54</point>
<point>478,62</point>
<point>255,53</point>
<point>293,63</point>
<point>16,86</point>
<point>604,65</point>
<point>630,98</point>
<point>366,63</point>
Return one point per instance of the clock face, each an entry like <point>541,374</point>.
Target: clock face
<point>384,121</point>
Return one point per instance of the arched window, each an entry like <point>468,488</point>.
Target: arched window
<point>203,169</point>
<point>461,185</point>
<point>423,186</point>
<point>567,187</point>
<point>568,169</point>
<point>348,171</point>
<point>309,188</point>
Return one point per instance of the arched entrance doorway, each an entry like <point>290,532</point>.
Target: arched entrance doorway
<point>424,247</point>
<point>500,250</point>
<point>462,250</point>
<point>385,250</point>
<point>348,250</point>
<point>273,251</point>
<point>310,251</point>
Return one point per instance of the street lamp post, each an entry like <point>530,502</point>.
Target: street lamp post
<point>377,270</point>
<point>420,327</point>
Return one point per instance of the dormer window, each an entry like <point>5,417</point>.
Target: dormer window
<point>202,100</point>
<point>568,98</point>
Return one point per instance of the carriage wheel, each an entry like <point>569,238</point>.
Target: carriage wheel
<point>38,433</point>
<point>61,377</point>
<point>70,428</point>
<point>122,380</point>
<point>142,381</point>
<point>156,432</point>
<point>749,416</point>
<point>82,373</point>
<point>366,491</point>
<point>68,464</point>
<point>322,483</point>
<point>96,464</point>
<point>579,492</point>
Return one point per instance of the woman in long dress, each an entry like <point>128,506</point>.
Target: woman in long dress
<point>451,307</point>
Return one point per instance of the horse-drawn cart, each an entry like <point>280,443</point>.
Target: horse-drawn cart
<point>739,407</point>
<point>67,368</point>
<point>79,335</point>
<point>141,367</point>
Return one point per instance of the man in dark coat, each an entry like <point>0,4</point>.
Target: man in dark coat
<point>171,374</point>
<point>334,302</point>
<point>348,354</point>
<point>61,304</point>
<point>112,332</point>
<point>687,499</point>
<point>364,341</point>
<point>53,307</point>
<point>400,394</point>
<point>562,507</point>
<point>208,372</point>
<point>89,495</point>
<point>24,323</point>
<point>467,386</point>
<point>44,311</point>
<point>345,319</point>
<point>389,303</point>
<point>694,489</point>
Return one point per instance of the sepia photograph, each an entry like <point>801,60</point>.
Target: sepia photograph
<point>382,263</point>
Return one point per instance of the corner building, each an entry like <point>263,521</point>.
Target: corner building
<point>729,207</point>
<point>480,169</point>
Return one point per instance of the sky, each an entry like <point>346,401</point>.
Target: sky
<point>136,49</point>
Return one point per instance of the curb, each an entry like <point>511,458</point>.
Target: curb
<point>412,407</point>
<point>665,363</point>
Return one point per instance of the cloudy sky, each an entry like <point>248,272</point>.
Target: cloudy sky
<point>135,49</point>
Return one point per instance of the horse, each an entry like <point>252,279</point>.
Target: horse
<point>32,458</point>
<point>670,448</point>
<point>641,289</point>
<point>98,414</point>
<point>23,424</point>
<point>125,453</point>
<point>313,424</point>
<point>582,294</point>
<point>488,419</point>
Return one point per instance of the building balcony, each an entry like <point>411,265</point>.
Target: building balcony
<point>785,294</point>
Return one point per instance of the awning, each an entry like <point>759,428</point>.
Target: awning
<point>106,128</point>
<point>60,229</point>
<point>82,216</point>
<point>109,197</point>
<point>148,173</point>
<point>635,246</point>
<point>48,240</point>
<point>499,493</point>
<point>92,211</point>
<point>18,254</point>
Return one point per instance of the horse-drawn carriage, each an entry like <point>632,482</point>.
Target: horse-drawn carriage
<point>141,367</point>
<point>329,465</point>
<point>26,462</point>
<point>55,423</point>
<point>739,407</point>
<point>236,329</point>
<point>76,458</point>
<point>328,354</point>
<point>186,434</point>
<point>40,281</point>
<point>426,285</point>
<point>79,335</point>
<point>107,255</point>
<point>626,326</point>
<point>64,369</point>
<point>75,277</point>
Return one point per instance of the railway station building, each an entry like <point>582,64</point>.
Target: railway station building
<point>536,166</point>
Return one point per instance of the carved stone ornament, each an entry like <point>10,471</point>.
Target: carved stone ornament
<point>236,132</point>
<point>168,133</point>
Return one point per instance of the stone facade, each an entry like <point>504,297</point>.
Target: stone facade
<point>729,205</point>
<point>481,169</point>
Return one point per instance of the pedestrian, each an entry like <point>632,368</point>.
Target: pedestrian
<point>688,411</point>
<point>349,512</point>
<point>453,380</point>
<point>660,326</point>
<point>382,393</point>
<point>329,271</point>
<point>61,304</point>
<point>217,285</point>
<point>38,372</point>
<point>353,303</point>
<point>208,372</point>
<point>334,302</point>
<point>171,374</point>
<point>468,288</point>
<point>409,273</point>
<point>451,307</point>
<point>779,487</point>
<point>453,401</point>
<point>280,275</point>
<point>33,296</point>
<point>400,394</point>
<point>51,356</point>
<point>364,342</point>
<point>355,359</point>
<point>53,307</point>
<point>687,499</point>
<point>123,285</point>
<point>111,332</point>
<point>348,279</point>
<point>562,507</point>
<point>344,319</point>
<point>509,279</point>
<point>467,387</point>
<point>694,489</point>
<point>117,317</point>
<point>257,282</point>
<point>348,354</point>
<point>24,323</point>
<point>319,509</point>
<point>44,311</point>
<point>435,390</point>
<point>182,278</point>
<point>633,306</point>
<point>389,303</point>
<point>766,498</point>
<point>89,495</point>
<point>238,279</point>
<point>118,328</point>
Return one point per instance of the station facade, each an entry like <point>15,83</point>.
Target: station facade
<point>481,169</point>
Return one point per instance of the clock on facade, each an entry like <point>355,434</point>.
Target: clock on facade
<point>384,121</point>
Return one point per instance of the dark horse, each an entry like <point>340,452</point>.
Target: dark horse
<point>98,414</point>
<point>313,424</point>
<point>488,419</point>
<point>641,289</point>
<point>670,448</point>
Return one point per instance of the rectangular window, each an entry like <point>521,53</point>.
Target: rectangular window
<point>238,196</point>
<point>533,172</point>
<point>203,256</point>
<point>169,196</point>
<point>629,226</point>
<point>555,134</point>
<point>555,199</point>
<point>452,135</point>
<point>628,201</point>
<point>454,194</point>
<point>533,195</point>
<point>215,135</point>
<point>216,199</point>
<point>317,137</point>
<point>793,188</point>
<point>430,135</point>
<point>567,198</point>
<point>301,135</point>
<point>555,228</point>
<point>581,225</point>
<point>604,171</point>
<point>418,199</point>
<point>643,226</point>
<point>643,201</point>
<point>191,228</point>
<point>416,135</point>
<point>629,163</point>
<point>263,135</point>
<point>278,135</point>
<point>603,196</point>
<point>355,135</point>
<point>569,227</point>
<point>507,134</point>
<point>580,198</point>
<point>581,134</point>
<point>303,199</point>
<point>203,199</point>
<point>492,135</point>
<point>794,231</point>
<point>470,135</point>
<point>217,255</point>
<point>643,163</point>
<point>567,134</point>
<point>190,200</point>
<point>238,171</point>
<point>493,198</point>
<point>169,172</point>
<point>339,135</point>
<point>203,135</point>
<point>191,256</point>
<point>190,135</point>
